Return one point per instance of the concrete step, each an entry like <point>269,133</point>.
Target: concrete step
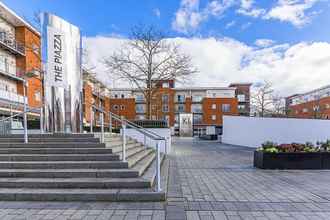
<point>132,160</point>
<point>52,145</point>
<point>131,151</point>
<point>66,173</point>
<point>109,195</point>
<point>114,144</point>
<point>59,157</point>
<point>119,149</point>
<point>50,135</point>
<point>144,164</point>
<point>95,183</point>
<point>51,140</point>
<point>55,151</point>
<point>63,164</point>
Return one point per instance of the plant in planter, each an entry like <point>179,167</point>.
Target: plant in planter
<point>271,147</point>
<point>324,146</point>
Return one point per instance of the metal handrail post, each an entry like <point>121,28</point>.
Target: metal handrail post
<point>158,167</point>
<point>123,125</point>
<point>91,120</point>
<point>110,123</point>
<point>102,127</point>
<point>41,121</point>
<point>24,114</point>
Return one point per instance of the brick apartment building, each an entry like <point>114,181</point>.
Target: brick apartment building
<point>19,58</point>
<point>96,94</point>
<point>312,104</point>
<point>207,104</point>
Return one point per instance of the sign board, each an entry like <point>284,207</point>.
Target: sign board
<point>186,125</point>
<point>61,56</point>
<point>57,65</point>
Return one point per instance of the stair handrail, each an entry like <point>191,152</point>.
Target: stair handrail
<point>24,113</point>
<point>138,128</point>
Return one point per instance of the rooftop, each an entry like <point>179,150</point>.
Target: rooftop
<point>14,19</point>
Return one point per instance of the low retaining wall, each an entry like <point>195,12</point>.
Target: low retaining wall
<point>253,131</point>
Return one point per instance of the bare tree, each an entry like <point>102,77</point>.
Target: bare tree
<point>278,109</point>
<point>262,99</point>
<point>147,58</point>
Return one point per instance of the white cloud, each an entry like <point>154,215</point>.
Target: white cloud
<point>247,8</point>
<point>291,68</point>
<point>246,26</point>
<point>292,11</point>
<point>157,12</point>
<point>264,42</point>
<point>189,16</point>
<point>230,24</point>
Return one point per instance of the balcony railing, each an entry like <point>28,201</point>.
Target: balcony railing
<point>11,97</point>
<point>11,44</point>
<point>11,71</point>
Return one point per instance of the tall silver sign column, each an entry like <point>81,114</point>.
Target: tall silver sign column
<point>61,53</point>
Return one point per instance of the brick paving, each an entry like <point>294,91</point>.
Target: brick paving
<point>207,180</point>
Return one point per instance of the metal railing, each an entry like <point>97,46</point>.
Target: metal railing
<point>4,122</point>
<point>124,124</point>
<point>11,43</point>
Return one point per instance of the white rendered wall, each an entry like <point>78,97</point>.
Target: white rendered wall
<point>164,132</point>
<point>253,131</point>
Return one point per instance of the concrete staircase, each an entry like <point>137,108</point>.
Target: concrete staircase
<point>76,167</point>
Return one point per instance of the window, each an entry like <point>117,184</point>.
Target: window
<point>180,108</point>
<point>122,107</point>
<point>165,85</point>
<point>122,96</point>
<point>139,108</point>
<point>327,106</point>
<point>241,98</point>
<point>214,117</point>
<point>180,98</point>
<point>116,96</point>
<point>225,107</point>
<point>305,110</point>
<point>197,98</point>
<point>165,108</point>
<point>165,98</point>
<point>139,98</point>
<point>196,108</point>
<point>241,107</point>
<point>35,49</point>
<point>37,96</point>
<point>214,106</point>
<point>197,119</point>
<point>115,107</point>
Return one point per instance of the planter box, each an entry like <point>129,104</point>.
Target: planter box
<point>318,160</point>
<point>326,160</point>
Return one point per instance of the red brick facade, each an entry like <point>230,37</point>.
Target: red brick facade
<point>319,109</point>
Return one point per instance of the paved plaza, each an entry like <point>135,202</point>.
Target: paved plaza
<point>207,180</point>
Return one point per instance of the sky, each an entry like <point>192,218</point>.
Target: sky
<point>286,42</point>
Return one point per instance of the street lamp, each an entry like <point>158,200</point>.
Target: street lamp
<point>26,76</point>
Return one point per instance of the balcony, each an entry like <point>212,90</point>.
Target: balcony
<point>11,71</point>
<point>10,44</point>
<point>11,97</point>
